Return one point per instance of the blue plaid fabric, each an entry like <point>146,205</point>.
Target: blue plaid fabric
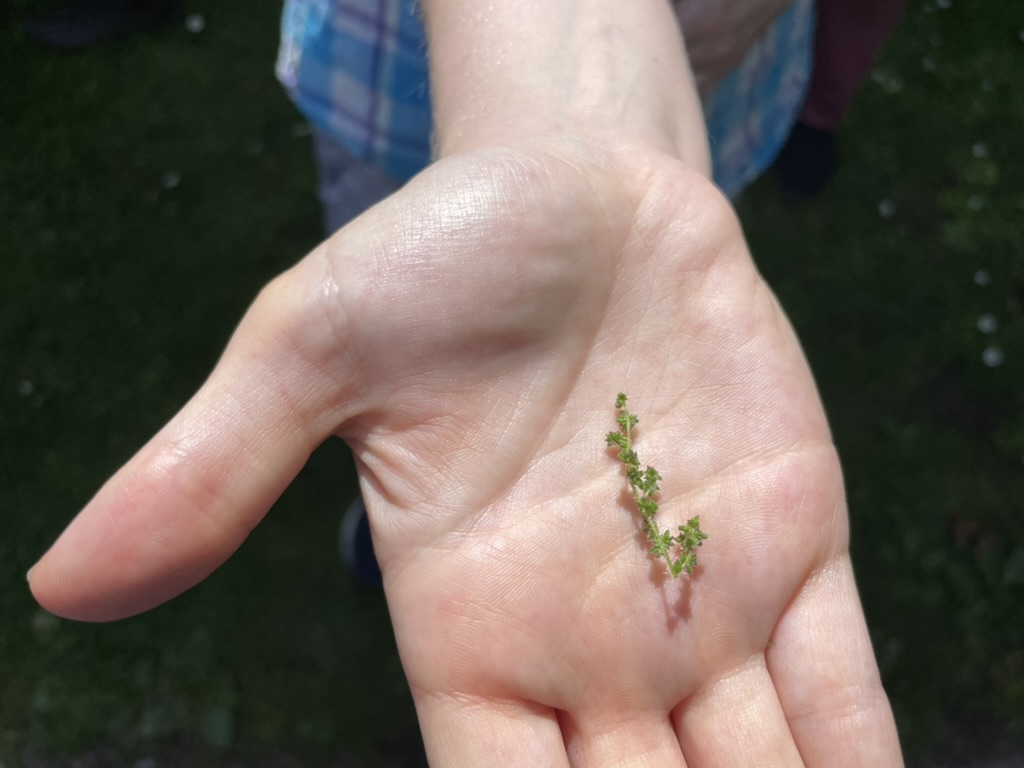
<point>750,114</point>
<point>357,69</point>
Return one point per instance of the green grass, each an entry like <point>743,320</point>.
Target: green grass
<point>932,438</point>
<point>118,293</point>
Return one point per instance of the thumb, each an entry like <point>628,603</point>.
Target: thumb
<point>188,499</point>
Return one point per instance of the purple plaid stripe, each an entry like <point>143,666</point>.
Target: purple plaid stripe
<point>374,21</point>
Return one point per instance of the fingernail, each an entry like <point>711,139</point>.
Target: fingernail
<point>28,575</point>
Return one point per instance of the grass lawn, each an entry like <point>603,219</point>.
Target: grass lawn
<point>147,191</point>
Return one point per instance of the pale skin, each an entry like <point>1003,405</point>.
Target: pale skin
<point>467,338</point>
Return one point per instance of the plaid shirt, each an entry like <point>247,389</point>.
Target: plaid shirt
<point>357,69</point>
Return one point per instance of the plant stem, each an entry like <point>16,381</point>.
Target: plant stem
<point>678,550</point>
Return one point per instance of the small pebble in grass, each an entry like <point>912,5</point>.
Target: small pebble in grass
<point>146,762</point>
<point>975,202</point>
<point>992,357</point>
<point>300,130</point>
<point>944,4</point>
<point>987,85</point>
<point>988,323</point>
<point>26,388</point>
<point>254,147</point>
<point>886,209</point>
<point>928,64</point>
<point>980,150</point>
<point>982,277</point>
<point>170,180</point>
<point>195,23</point>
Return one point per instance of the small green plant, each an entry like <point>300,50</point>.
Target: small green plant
<point>679,550</point>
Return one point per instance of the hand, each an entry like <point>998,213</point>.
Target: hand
<point>467,337</point>
<point>720,33</point>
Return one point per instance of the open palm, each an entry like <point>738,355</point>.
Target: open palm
<point>467,338</point>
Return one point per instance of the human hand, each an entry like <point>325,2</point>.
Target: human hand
<point>720,33</point>
<point>467,338</point>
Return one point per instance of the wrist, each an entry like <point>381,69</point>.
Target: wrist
<point>506,73</point>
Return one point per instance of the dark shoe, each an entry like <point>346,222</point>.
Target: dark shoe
<point>807,162</point>
<point>88,22</point>
<point>357,546</point>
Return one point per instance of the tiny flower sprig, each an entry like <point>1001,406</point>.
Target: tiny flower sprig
<point>678,550</point>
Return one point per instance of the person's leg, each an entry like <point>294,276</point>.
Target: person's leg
<point>83,23</point>
<point>850,34</point>
<point>849,37</point>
